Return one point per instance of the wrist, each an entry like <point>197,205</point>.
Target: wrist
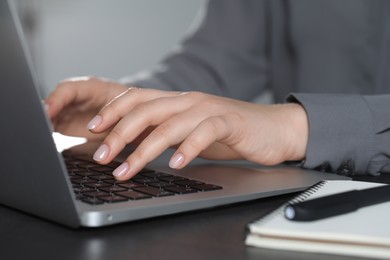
<point>297,131</point>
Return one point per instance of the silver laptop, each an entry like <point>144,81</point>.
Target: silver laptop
<point>68,188</point>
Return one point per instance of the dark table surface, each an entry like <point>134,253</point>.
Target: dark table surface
<point>207,234</point>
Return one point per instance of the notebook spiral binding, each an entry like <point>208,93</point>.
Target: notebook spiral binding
<point>301,197</point>
<point>307,193</point>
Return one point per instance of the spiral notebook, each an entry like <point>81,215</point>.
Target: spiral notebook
<point>363,233</point>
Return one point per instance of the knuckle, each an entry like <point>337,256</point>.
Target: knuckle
<point>164,129</point>
<point>147,111</point>
<point>109,108</point>
<point>213,105</point>
<point>195,94</point>
<point>62,85</point>
<point>198,97</point>
<point>142,110</point>
<point>142,155</point>
<point>138,155</point>
<point>214,123</point>
<point>193,145</point>
<point>116,136</point>
<point>116,107</point>
<point>111,112</point>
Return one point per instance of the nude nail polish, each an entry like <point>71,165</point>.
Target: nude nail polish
<point>101,153</point>
<point>176,161</point>
<point>121,170</point>
<point>95,122</point>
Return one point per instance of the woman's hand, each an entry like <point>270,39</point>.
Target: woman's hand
<point>75,101</point>
<point>199,125</point>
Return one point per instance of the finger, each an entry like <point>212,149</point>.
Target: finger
<point>77,89</point>
<point>136,122</point>
<point>117,108</point>
<point>64,95</point>
<point>82,90</point>
<point>209,131</point>
<point>147,151</point>
<point>166,135</point>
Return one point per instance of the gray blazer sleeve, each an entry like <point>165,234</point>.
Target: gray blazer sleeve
<point>348,134</point>
<point>219,57</point>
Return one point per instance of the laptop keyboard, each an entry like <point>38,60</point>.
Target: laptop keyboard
<point>94,183</point>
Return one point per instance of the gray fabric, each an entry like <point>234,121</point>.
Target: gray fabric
<point>333,55</point>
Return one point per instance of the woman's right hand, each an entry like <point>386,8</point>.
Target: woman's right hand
<point>76,101</point>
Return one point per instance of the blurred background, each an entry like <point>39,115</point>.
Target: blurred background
<point>100,37</point>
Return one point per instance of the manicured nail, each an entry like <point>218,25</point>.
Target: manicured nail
<point>95,122</point>
<point>176,160</point>
<point>121,170</point>
<point>101,153</point>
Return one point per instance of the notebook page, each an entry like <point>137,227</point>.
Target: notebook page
<point>368,225</point>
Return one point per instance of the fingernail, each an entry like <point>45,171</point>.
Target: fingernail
<point>101,153</point>
<point>121,170</point>
<point>95,122</point>
<point>176,160</point>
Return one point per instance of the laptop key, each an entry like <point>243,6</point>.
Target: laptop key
<point>103,177</point>
<point>74,177</point>
<point>113,198</point>
<point>146,170</point>
<point>87,173</point>
<point>87,165</point>
<point>207,187</point>
<point>154,191</point>
<point>112,189</point>
<point>73,170</point>
<point>83,189</point>
<point>95,194</point>
<point>161,184</point>
<point>181,189</point>
<point>130,185</point>
<point>75,163</point>
<point>115,182</point>
<point>144,180</point>
<point>101,169</point>
<point>155,174</point>
<point>133,195</point>
<point>92,201</point>
<point>188,183</point>
<point>82,181</point>
<point>97,185</point>
<point>172,178</point>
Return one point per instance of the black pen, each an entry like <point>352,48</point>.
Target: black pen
<point>336,204</point>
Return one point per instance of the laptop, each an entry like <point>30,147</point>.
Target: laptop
<point>68,188</point>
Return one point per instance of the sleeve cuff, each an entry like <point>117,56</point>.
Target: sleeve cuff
<point>341,132</point>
